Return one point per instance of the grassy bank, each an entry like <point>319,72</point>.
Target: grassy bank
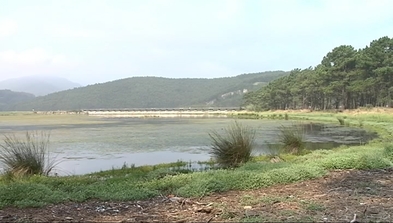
<point>133,183</point>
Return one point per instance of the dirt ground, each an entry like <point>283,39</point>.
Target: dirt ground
<point>338,196</point>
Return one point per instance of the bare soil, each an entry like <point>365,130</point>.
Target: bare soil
<point>336,197</point>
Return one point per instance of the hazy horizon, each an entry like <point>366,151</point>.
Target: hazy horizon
<point>109,40</point>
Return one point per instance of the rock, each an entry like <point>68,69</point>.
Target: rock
<point>68,218</point>
<point>247,207</point>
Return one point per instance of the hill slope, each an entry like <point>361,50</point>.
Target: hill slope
<point>38,85</point>
<point>154,92</point>
<point>8,98</point>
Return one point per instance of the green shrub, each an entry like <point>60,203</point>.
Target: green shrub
<point>292,139</point>
<point>27,157</point>
<point>233,148</point>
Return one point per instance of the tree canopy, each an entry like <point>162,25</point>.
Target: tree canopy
<point>346,78</point>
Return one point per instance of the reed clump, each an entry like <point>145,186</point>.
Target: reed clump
<point>292,139</point>
<point>28,156</point>
<point>234,146</point>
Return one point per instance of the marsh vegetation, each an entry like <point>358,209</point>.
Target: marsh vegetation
<point>27,156</point>
<point>139,183</point>
<point>234,146</point>
<point>89,144</point>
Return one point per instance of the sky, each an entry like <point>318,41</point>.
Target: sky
<point>95,41</point>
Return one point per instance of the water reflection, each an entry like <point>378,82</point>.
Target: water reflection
<point>83,165</point>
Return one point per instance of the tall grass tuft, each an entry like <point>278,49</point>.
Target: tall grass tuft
<point>341,121</point>
<point>233,148</point>
<point>27,157</point>
<point>292,139</point>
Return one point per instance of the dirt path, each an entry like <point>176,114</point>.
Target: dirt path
<point>336,197</point>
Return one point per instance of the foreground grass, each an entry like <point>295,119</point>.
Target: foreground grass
<point>28,156</point>
<point>134,183</point>
<point>234,148</point>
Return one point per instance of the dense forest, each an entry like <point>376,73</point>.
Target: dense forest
<point>346,78</point>
<point>154,92</point>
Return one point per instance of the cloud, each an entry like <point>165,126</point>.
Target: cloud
<point>66,31</point>
<point>32,56</point>
<point>33,61</point>
<point>229,10</point>
<point>8,27</point>
<point>185,38</point>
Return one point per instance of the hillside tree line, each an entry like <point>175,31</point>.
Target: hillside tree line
<point>346,78</point>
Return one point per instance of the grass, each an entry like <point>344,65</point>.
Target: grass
<point>145,182</point>
<point>26,157</point>
<point>292,139</point>
<point>135,183</point>
<point>341,120</point>
<point>234,147</point>
<point>312,206</point>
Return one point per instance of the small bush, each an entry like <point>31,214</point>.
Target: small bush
<point>233,148</point>
<point>27,157</point>
<point>292,139</point>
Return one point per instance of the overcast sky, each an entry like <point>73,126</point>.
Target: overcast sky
<point>97,41</point>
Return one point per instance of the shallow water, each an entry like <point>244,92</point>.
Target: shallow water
<point>106,143</point>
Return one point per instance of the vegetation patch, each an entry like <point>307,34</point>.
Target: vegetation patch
<point>30,156</point>
<point>292,139</point>
<point>136,183</point>
<point>234,147</point>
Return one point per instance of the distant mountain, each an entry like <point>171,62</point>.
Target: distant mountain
<point>38,85</point>
<point>8,98</point>
<point>155,92</point>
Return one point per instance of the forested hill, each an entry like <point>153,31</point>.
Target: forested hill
<point>8,97</point>
<point>154,92</point>
<point>346,78</point>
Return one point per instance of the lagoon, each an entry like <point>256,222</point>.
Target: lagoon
<point>86,144</point>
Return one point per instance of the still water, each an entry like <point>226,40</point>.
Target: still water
<point>111,142</point>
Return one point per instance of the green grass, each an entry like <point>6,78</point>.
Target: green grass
<point>135,183</point>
